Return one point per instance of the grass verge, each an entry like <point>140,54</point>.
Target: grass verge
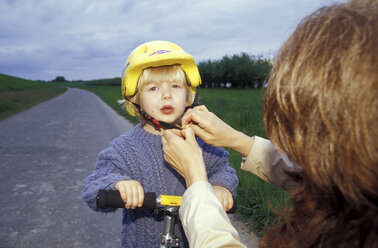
<point>18,94</point>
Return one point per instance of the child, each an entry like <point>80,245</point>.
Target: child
<point>158,84</point>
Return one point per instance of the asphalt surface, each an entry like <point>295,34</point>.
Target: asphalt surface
<point>45,154</point>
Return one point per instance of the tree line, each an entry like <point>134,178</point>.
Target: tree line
<point>238,71</point>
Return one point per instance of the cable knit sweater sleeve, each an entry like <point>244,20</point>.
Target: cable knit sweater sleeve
<point>218,170</point>
<point>110,168</point>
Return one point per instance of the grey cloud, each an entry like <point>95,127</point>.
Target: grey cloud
<point>83,39</point>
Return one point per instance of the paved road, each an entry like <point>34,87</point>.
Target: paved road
<point>45,153</point>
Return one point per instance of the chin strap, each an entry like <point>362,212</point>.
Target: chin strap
<point>195,101</point>
<point>161,124</point>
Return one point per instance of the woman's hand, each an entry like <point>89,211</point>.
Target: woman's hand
<point>216,132</point>
<point>224,196</point>
<point>131,192</point>
<point>207,126</point>
<point>182,152</point>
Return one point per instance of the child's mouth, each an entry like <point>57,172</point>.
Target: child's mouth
<point>167,109</point>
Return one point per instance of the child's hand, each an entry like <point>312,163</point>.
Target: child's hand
<point>131,192</point>
<point>224,196</point>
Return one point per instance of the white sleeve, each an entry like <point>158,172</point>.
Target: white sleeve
<point>269,164</point>
<point>205,222</point>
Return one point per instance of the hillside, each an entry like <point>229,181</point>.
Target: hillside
<point>17,94</point>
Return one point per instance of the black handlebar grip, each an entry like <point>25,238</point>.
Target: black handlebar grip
<point>109,199</point>
<point>149,201</point>
<point>112,199</point>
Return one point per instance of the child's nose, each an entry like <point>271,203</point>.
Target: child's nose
<point>167,94</point>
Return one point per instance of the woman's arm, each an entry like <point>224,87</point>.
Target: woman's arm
<point>205,222</point>
<point>270,165</point>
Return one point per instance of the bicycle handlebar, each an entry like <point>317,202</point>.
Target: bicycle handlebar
<point>112,199</point>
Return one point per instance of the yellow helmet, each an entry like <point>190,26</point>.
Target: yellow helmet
<point>155,54</point>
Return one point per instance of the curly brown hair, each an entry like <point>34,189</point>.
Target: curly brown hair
<point>320,108</point>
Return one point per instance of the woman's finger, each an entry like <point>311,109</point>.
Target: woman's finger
<point>163,140</point>
<point>193,116</point>
<point>188,134</point>
<point>205,136</point>
<point>187,118</point>
<point>176,132</point>
<point>171,134</point>
<point>230,203</point>
<point>201,108</point>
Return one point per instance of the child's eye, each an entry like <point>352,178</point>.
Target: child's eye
<point>175,86</point>
<point>154,88</point>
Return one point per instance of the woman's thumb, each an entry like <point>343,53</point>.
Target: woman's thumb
<point>188,133</point>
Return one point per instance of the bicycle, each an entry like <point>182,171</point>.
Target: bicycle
<point>168,205</point>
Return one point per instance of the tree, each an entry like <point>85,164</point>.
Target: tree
<point>261,69</point>
<point>59,79</point>
<point>241,70</point>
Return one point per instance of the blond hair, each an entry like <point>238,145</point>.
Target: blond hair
<point>172,73</point>
<point>320,108</point>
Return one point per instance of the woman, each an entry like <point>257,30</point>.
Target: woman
<point>320,109</point>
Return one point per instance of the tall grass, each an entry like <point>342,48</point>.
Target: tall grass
<point>18,94</point>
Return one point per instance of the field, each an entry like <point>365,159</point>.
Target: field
<point>17,94</point>
<point>242,109</point>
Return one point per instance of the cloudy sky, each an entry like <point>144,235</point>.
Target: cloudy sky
<point>91,39</point>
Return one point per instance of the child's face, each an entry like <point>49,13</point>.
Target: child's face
<point>164,101</point>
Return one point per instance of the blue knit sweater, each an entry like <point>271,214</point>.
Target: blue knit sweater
<point>138,155</point>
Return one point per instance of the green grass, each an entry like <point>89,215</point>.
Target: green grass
<point>242,109</point>
<point>18,94</point>
<point>105,82</point>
